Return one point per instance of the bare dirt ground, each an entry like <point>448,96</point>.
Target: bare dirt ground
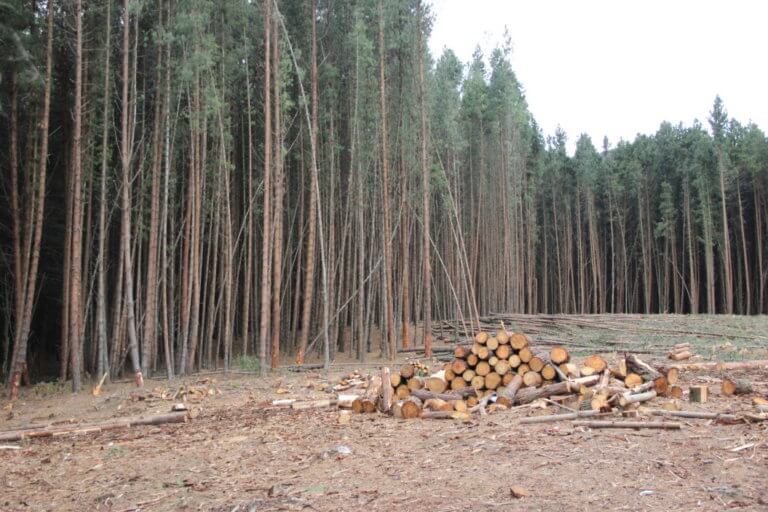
<point>240,454</point>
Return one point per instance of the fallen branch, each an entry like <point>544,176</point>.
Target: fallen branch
<point>528,395</point>
<point>666,425</point>
<point>730,365</point>
<point>159,419</point>
<point>559,417</point>
<point>694,415</point>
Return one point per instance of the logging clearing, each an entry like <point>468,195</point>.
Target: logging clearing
<point>169,446</point>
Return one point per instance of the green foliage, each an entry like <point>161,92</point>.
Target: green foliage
<point>247,363</point>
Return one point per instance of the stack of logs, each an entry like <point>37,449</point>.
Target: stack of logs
<point>504,369</point>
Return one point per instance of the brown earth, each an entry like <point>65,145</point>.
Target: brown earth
<point>240,454</point>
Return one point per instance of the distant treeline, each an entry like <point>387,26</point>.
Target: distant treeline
<point>186,182</point>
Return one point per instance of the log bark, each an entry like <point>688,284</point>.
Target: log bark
<point>387,391</point>
<point>596,362</point>
<point>733,386</point>
<point>559,355</point>
<point>461,394</point>
<point>446,415</point>
<point>367,402</point>
<point>643,369</point>
<point>407,409</point>
<point>680,356</point>
<point>629,398</point>
<point>528,395</point>
<point>314,404</point>
<point>558,417</point>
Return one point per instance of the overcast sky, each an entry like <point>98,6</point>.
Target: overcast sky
<point>620,67</point>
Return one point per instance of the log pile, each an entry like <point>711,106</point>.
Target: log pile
<point>492,361</point>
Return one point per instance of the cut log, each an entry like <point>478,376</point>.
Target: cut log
<point>407,371</point>
<point>472,360</point>
<point>731,365</point>
<point>532,379</point>
<point>587,371</point>
<point>528,395</point>
<point>558,417</point>
<point>502,367</point>
<point>458,366</point>
<point>518,341</point>
<point>536,364</point>
<point>508,396</point>
<point>600,402</point>
<point>346,401</point>
<point>475,348</point>
<point>733,386</point>
<point>523,369</point>
<point>504,351</point>
<point>596,362</point>
<point>395,379</point>
<point>675,392</point>
<point>314,404</point>
<point>548,372</point>
<point>461,352</point>
<point>525,354</point>
<point>492,380</point>
<point>402,392</point>
<point>472,401</point>
<point>159,419</point>
<point>570,370</point>
<point>492,343</point>
<point>415,383</point>
<point>661,386</point>
<point>638,366</point>
<point>458,383</point>
<point>628,424</point>
<point>514,361</point>
<point>483,368</point>
<point>629,398</point>
<point>481,337</point>
<point>436,404</point>
<point>483,352</point>
<point>507,378</point>
<point>478,382</point>
<point>697,415</point>
<point>437,383</point>
<point>559,355</point>
<point>459,405</point>
<point>621,372</point>
<point>493,360</point>
<point>633,380</point>
<point>446,415</point>
<point>502,336</point>
<point>680,356</point>
<point>673,375</point>
<point>461,394</point>
<point>407,409</point>
<point>468,375</point>
<point>448,375</point>
<point>698,394</point>
<point>367,401</point>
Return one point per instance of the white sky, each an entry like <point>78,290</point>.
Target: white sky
<point>620,67</point>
